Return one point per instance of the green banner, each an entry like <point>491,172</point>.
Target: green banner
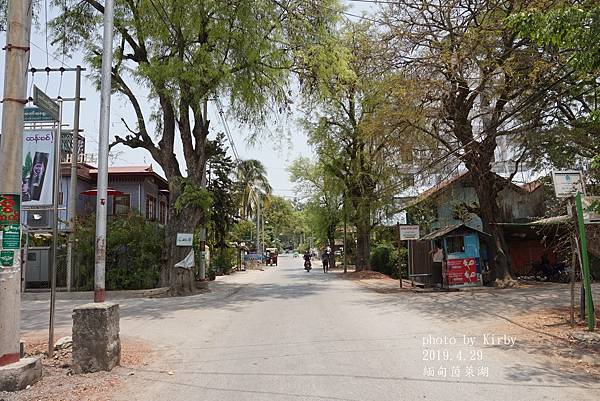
<point>11,236</point>
<point>7,258</point>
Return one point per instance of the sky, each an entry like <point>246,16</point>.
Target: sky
<point>275,154</point>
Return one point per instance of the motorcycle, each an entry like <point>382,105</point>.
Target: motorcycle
<point>307,265</point>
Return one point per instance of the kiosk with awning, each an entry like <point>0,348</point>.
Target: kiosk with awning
<point>462,257</point>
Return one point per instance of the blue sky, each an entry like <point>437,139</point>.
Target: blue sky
<point>276,154</point>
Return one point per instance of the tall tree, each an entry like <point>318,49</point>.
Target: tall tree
<point>345,100</point>
<point>183,53</point>
<point>323,194</point>
<point>479,84</point>
<point>569,31</point>
<point>224,205</point>
<point>253,182</point>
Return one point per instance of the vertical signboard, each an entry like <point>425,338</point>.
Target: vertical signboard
<point>38,171</point>
<point>10,226</point>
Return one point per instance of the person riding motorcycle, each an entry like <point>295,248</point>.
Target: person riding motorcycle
<point>307,257</point>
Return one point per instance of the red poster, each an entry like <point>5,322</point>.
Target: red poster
<point>462,271</point>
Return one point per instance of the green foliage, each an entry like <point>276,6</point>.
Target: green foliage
<point>573,27</point>
<point>384,259</point>
<point>223,195</point>
<point>423,214</point>
<point>252,180</point>
<point>223,260</point>
<point>193,196</point>
<point>133,253</point>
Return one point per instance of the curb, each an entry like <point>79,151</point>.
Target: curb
<point>88,295</point>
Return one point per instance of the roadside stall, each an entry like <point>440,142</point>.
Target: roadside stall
<point>463,260</point>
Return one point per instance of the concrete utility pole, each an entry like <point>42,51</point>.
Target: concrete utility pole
<point>73,184</point>
<point>102,197</point>
<point>11,159</point>
<point>54,266</point>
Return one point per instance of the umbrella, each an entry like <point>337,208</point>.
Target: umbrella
<point>94,192</point>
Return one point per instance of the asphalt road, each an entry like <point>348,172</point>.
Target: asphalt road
<point>290,335</point>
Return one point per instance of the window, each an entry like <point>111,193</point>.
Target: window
<point>60,198</point>
<point>150,207</point>
<point>162,213</point>
<point>121,204</point>
<point>455,244</point>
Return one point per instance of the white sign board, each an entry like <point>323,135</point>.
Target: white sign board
<point>567,183</point>
<point>408,233</point>
<point>184,239</point>
<point>38,167</point>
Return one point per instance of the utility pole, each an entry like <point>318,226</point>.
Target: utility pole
<point>73,183</point>
<point>102,197</point>
<point>54,266</point>
<point>11,157</point>
<point>257,224</point>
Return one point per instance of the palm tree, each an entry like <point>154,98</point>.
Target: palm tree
<point>252,178</point>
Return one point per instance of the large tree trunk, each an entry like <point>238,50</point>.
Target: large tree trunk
<point>331,240</point>
<point>363,245</point>
<point>180,280</point>
<point>487,193</point>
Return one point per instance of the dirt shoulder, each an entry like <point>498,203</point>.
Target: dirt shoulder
<point>59,383</point>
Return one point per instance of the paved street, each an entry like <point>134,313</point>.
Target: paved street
<point>284,334</point>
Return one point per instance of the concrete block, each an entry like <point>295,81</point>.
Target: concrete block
<point>17,376</point>
<point>96,342</point>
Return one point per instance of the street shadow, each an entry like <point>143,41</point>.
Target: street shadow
<point>235,297</point>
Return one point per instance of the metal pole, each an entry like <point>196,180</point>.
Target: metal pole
<point>202,246</point>
<point>53,266</point>
<point>101,200</point>
<point>586,265</point>
<point>73,183</point>
<point>399,259</point>
<point>345,238</point>
<point>573,261</point>
<point>11,155</point>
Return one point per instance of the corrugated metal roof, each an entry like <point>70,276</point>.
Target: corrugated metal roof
<point>447,230</point>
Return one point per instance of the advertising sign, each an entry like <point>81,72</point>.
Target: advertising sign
<point>184,239</point>
<point>464,271</point>
<point>38,171</point>
<point>253,256</point>
<point>409,233</point>
<point>7,258</point>
<point>567,183</point>
<point>9,209</point>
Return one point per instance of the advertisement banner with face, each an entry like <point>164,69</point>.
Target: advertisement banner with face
<point>38,170</point>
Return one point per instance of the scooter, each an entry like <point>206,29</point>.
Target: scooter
<point>307,266</point>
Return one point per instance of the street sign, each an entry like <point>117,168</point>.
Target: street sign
<point>11,237</point>
<point>45,103</point>
<point>408,233</point>
<point>35,114</point>
<point>184,239</point>
<point>567,183</point>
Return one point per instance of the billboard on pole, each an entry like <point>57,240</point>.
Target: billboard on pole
<point>38,170</point>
